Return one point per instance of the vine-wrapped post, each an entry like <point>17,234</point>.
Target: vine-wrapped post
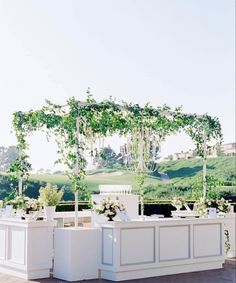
<point>20,181</point>
<point>141,179</point>
<point>204,169</point>
<point>76,193</point>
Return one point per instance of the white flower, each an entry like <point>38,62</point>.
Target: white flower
<point>108,207</point>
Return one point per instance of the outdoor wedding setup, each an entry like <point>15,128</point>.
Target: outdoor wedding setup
<point>125,243</point>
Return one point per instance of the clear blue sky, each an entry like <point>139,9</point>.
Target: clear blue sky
<point>178,52</point>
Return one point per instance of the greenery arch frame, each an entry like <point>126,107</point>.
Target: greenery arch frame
<point>76,123</point>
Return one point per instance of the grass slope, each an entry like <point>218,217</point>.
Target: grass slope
<point>184,172</point>
<point>181,173</point>
<point>94,178</point>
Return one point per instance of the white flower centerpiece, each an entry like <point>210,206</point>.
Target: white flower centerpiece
<point>32,204</point>
<point>108,208</point>
<point>23,205</point>
<point>178,202</point>
<point>18,204</point>
<point>222,206</point>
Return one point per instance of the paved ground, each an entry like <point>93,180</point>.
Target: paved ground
<point>225,275</point>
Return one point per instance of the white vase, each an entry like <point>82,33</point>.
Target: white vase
<point>8,210</point>
<point>49,212</point>
<point>19,212</point>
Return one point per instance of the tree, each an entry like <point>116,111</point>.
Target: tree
<point>7,156</point>
<point>107,158</point>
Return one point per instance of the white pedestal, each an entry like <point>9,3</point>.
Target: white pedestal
<point>76,253</point>
<point>26,248</point>
<point>141,249</point>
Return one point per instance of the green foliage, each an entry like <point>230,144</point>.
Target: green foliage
<point>94,120</point>
<point>50,195</point>
<point>106,118</point>
<point>204,128</point>
<point>227,241</point>
<point>213,185</point>
<point>107,158</point>
<point>20,167</point>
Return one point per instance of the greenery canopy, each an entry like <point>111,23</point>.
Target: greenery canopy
<point>77,125</point>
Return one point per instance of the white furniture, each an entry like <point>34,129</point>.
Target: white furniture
<point>115,189</point>
<point>69,216</point>
<point>141,249</point>
<point>26,247</point>
<point>76,253</point>
<point>184,213</point>
<point>230,225</point>
<point>120,192</point>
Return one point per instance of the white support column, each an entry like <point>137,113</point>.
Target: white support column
<point>141,167</point>
<point>76,194</point>
<point>20,186</point>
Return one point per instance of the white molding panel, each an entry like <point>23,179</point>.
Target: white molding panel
<point>174,243</point>
<point>207,240</point>
<point>142,249</point>
<point>107,246</point>
<point>137,246</point>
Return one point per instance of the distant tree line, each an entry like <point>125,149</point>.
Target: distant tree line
<point>107,158</point>
<point>7,156</point>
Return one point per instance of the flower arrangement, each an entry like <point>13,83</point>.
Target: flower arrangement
<point>32,204</point>
<point>222,206</point>
<point>178,202</point>
<point>108,207</point>
<point>19,202</point>
<point>50,195</point>
<point>201,207</point>
<point>24,203</point>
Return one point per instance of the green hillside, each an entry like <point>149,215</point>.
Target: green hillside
<point>182,174</point>
<point>96,177</point>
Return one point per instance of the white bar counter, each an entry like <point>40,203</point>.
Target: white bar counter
<point>141,249</point>
<point>26,247</point>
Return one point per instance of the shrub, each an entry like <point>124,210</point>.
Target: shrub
<point>50,195</point>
